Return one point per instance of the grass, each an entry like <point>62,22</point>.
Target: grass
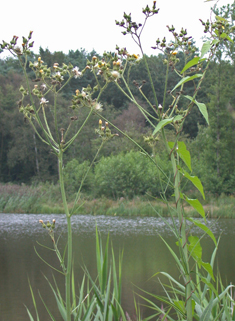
<point>45,198</point>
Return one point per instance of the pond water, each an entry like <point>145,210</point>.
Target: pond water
<point>144,255</point>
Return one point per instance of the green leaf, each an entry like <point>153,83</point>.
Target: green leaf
<point>195,248</point>
<point>191,63</point>
<point>165,122</point>
<point>209,284</point>
<point>52,318</point>
<point>183,153</point>
<point>208,268</point>
<point>221,18</point>
<point>224,35</point>
<point>173,253</point>
<point>207,312</point>
<point>193,306</point>
<point>194,179</point>
<point>195,204</point>
<point>202,108</point>
<point>215,41</point>
<point>205,48</point>
<point>30,315</point>
<point>162,124</point>
<point>204,228</point>
<point>186,79</point>
<point>180,305</point>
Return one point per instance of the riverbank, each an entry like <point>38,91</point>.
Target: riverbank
<point>45,198</point>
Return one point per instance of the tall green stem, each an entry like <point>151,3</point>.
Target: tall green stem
<point>182,242</point>
<point>151,80</point>
<point>69,238</point>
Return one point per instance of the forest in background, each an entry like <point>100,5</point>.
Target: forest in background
<point>121,170</point>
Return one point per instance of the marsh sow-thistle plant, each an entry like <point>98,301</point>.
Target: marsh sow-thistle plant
<point>37,109</point>
<point>195,297</point>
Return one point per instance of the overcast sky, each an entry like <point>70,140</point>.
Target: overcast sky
<point>90,24</point>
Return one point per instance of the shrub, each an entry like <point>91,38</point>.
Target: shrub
<point>128,175</point>
<point>74,173</point>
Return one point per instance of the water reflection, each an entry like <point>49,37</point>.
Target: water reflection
<point>144,255</point>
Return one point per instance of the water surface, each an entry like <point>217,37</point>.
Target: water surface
<point>144,255</point>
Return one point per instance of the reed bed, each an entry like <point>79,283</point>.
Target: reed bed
<point>45,198</point>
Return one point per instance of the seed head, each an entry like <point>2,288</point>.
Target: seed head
<point>115,74</point>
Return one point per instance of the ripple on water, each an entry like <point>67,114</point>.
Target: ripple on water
<point>27,224</point>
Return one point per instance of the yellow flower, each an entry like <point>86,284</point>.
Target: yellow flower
<point>174,53</point>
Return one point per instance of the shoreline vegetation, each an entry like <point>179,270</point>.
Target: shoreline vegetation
<point>45,198</point>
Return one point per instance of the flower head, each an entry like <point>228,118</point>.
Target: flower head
<point>136,56</point>
<point>115,74</point>
<point>77,73</point>
<point>43,101</point>
<point>43,87</point>
<point>83,94</point>
<point>98,106</point>
<point>58,76</point>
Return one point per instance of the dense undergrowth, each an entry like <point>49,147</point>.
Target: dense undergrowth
<point>45,198</point>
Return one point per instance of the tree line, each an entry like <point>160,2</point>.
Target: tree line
<point>24,159</point>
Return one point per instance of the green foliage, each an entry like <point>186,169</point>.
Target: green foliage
<point>74,174</point>
<point>130,174</point>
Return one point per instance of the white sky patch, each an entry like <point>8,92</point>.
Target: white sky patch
<point>71,25</point>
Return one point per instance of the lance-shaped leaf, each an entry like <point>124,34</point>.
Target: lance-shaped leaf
<point>202,108</point>
<point>194,179</point>
<point>221,19</point>
<point>206,314</point>
<point>210,285</point>
<point>191,63</point>
<point>183,153</point>
<point>215,41</point>
<point>225,36</point>
<point>180,305</point>
<point>205,48</point>
<point>186,79</point>
<point>195,249</point>
<point>204,228</point>
<point>208,268</point>
<point>195,204</point>
<point>165,122</point>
